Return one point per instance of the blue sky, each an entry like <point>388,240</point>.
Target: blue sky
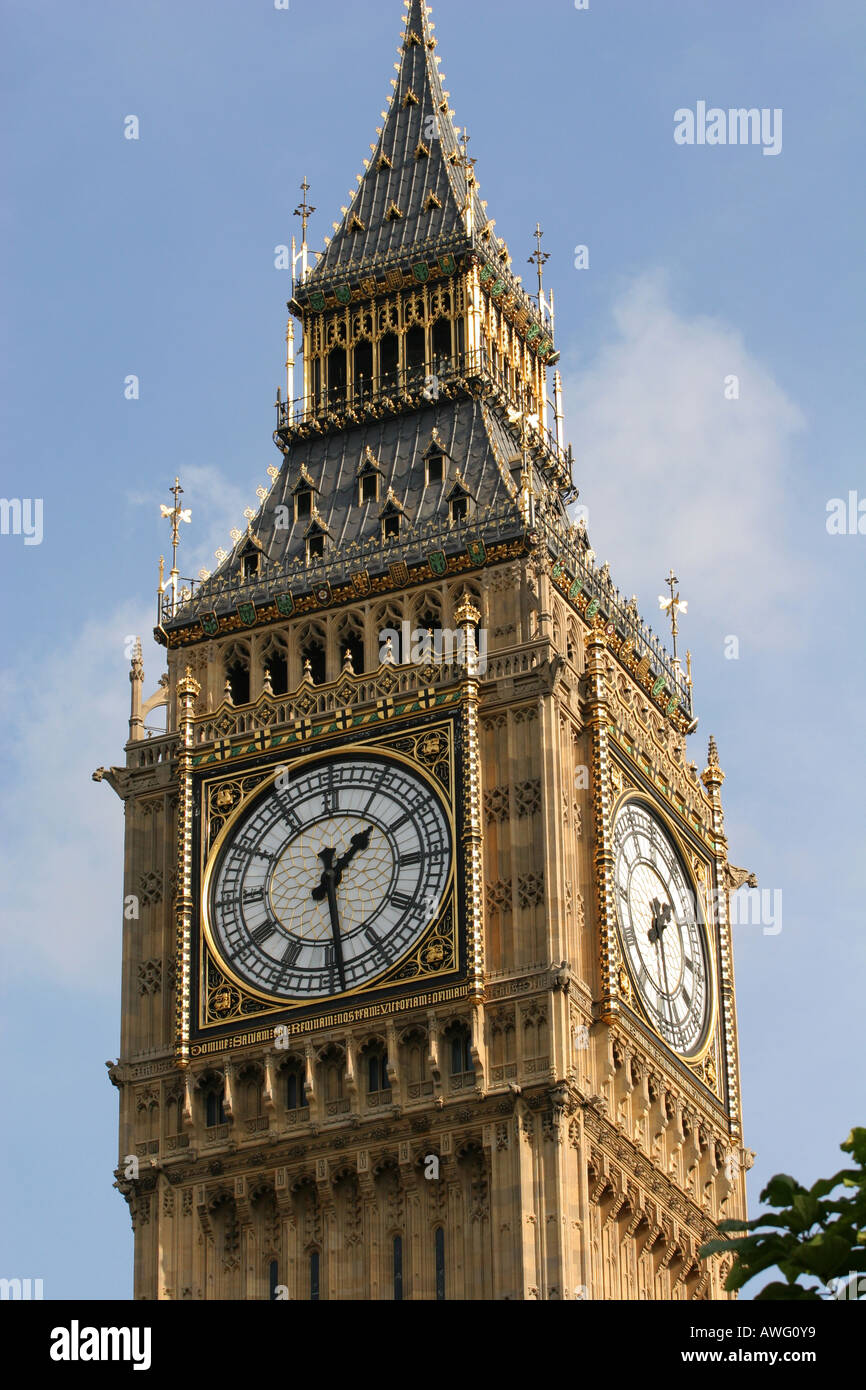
<point>156,258</point>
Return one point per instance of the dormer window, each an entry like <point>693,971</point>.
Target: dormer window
<point>369,476</point>
<point>460,502</point>
<point>315,546</point>
<point>250,566</point>
<point>435,469</point>
<point>303,505</point>
<point>391,526</point>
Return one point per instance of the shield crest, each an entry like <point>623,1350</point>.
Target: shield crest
<point>575,588</point>
<point>487,274</point>
<point>285,605</point>
<point>361,582</point>
<point>557,571</point>
<point>322,594</point>
<point>344,294</point>
<point>438,563</point>
<point>421,271</point>
<point>247,613</point>
<point>369,285</point>
<point>447,264</point>
<point>673,705</point>
<point>498,289</point>
<point>477,552</point>
<point>400,574</point>
<point>210,624</point>
<point>533,332</point>
<point>659,686</point>
<point>592,610</point>
<point>317,301</point>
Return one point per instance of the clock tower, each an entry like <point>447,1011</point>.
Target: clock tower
<point>427,977</point>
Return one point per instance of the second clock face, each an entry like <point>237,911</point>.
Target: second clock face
<point>330,878</point>
<point>663,942</point>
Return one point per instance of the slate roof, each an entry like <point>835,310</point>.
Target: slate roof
<point>473,438</point>
<point>418,116</point>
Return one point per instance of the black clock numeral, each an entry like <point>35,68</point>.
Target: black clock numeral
<point>263,933</point>
<point>254,895</point>
<point>292,954</point>
<point>402,901</point>
<point>412,860</point>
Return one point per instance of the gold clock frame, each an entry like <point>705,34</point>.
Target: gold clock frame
<point>436,931</point>
<point>695,1060</point>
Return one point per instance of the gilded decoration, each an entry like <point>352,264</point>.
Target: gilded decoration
<point>224,999</point>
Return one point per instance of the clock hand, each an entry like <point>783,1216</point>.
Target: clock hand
<point>359,843</point>
<point>329,885</point>
<point>661,920</point>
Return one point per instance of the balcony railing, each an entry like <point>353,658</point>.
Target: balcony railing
<point>338,407</point>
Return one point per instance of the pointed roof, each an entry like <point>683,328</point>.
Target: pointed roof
<point>417,187</point>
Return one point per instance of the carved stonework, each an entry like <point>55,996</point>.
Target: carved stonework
<point>150,977</point>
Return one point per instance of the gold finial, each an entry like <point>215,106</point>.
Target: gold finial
<point>673,606</point>
<point>689,671</point>
<point>467,613</point>
<point>162,574</point>
<point>713,777</point>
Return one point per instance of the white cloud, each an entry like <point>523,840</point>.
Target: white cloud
<point>673,473</point>
<point>61,858</point>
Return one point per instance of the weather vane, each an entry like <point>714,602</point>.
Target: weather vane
<point>674,606</point>
<point>539,258</point>
<point>175,515</point>
<point>304,210</point>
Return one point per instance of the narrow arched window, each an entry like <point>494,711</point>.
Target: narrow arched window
<point>315,1271</point>
<point>461,1054</point>
<point>440,1265</point>
<point>215,1109</point>
<point>398,1269</point>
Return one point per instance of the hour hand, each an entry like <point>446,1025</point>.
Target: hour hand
<point>662,916</point>
<point>321,892</point>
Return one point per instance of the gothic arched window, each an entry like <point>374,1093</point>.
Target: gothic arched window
<point>398,1269</point>
<point>215,1107</point>
<point>439,1240</point>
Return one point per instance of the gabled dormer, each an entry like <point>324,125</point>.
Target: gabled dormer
<point>436,460</point>
<point>305,496</point>
<point>370,478</point>
<point>391,518</point>
<point>316,537</point>
<point>462,502</point>
<point>251,557</point>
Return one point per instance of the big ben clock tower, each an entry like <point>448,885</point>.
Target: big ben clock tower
<point>427,981</point>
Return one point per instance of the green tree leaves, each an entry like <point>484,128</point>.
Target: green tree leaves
<point>814,1232</point>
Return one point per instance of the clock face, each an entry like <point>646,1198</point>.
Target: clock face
<point>330,878</point>
<point>663,943</point>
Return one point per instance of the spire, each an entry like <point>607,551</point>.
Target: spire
<point>419,187</point>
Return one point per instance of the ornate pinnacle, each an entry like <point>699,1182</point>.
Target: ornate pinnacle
<point>467,612</point>
<point>136,671</point>
<point>713,777</point>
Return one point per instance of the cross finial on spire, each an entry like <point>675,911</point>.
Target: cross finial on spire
<point>673,606</point>
<point>539,258</point>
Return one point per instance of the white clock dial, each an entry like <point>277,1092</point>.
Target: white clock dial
<point>663,941</point>
<point>329,880</point>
